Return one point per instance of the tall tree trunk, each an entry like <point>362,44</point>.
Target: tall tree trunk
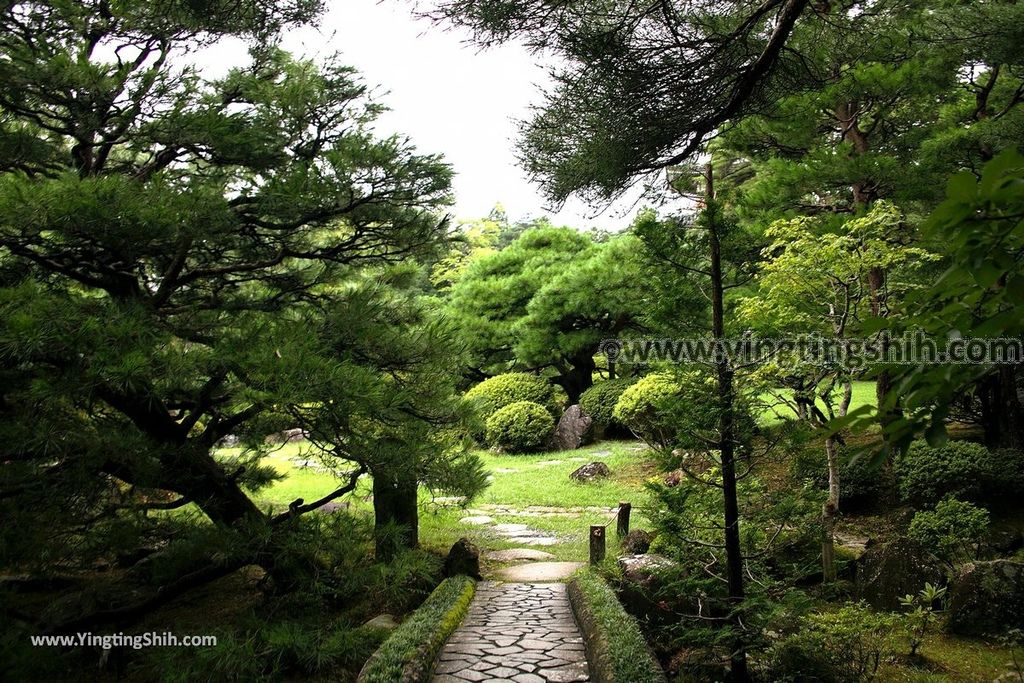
<point>1002,416</point>
<point>578,377</point>
<point>831,505</point>
<point>394,504</point>
<point>727,436</point>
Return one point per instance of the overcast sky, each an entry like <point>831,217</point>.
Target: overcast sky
<point>447,96</point>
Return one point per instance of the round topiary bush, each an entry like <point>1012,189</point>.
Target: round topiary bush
<point>950,530</point>
<point>598,402</point>
<point>640,406</point>
<point>927,474</point>
<point>520,427</point>
<point>499,391</point>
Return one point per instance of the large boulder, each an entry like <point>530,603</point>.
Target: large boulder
<point>463,558</point>
<point>987,598</point>
<point>889,571</point>
<point>590,472</point>
<point>637,542</point>
<point>574,429</point>
<point>643,570</point>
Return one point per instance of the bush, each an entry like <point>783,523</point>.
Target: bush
<point>961,469</point>
<point>846,645</point>
<point>599,401</point>
<point>950,529</point>
<point>520,427</point>
<point>860,483</point>
<point>641,407</point>
<point>495,393</point>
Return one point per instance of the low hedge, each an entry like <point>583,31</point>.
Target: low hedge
<point>616,650</point>
<point>408,655</point>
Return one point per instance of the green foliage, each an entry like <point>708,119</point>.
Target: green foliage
<point>927,474</point>
<point>846,645</point>
<point>619,649</point>
<point>411,648</point>
<point>599,401</point>
<point>642,407</point>
<point>547,300</point>
<point>520,427</point>
<point>497,392</point>
<point>862,483</point>
<point>922,613</point>
<point>950,530</point>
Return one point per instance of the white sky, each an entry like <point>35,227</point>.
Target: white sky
<point>446,95</point>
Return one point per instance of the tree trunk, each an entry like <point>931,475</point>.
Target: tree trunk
<point>726,429</point>
<point>1002,416</point>
<point>828,513</point>
<point>394,505</point>
<point>578,378</point>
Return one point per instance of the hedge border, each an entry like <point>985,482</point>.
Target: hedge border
<point>611,635</point>
<point>409,653</point>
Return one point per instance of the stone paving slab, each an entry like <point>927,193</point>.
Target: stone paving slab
<point>515,633</point>
<point>538,571</point>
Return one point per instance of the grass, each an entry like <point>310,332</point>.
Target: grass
<point>409,653</point>
<point>616,648</point>
<point>863,394</point>
<point>518,482</point>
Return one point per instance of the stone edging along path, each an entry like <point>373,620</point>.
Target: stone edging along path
<point>515,633</point>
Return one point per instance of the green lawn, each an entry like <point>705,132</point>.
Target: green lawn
<point>518,482</point>
<point>863,394</point>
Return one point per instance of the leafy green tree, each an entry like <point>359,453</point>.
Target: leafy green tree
<point>546,301</point>
<point>184,259</point>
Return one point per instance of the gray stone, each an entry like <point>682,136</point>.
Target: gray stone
<point>590,472</point>
<point>477,520</point>
<point>517,554</point>
<point>987,598</point>
<point>539,571</point>
<point>889,571</point>
<point>640,569</point>
<point>385,621</point>
<point>463,558</point>
<point>573,430</point>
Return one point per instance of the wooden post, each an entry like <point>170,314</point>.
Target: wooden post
<point>622,524</point>
<point>596,544</point>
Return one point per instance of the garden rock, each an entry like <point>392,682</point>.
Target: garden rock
<point>573,430</point>
<point>642,569</point>
<point>987,598</point>
<point>287,436</point>
<point>519,555</point>
<point>637,542</point>
<point>887,572</point>
<point>383,621</point>
<point>590,472</point>
<point>463,558</point>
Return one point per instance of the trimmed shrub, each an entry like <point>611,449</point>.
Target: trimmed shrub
<point>641,407</point>
<point>950,529</point>
<point>520,427</point>
<point>598,402</point>
<point>961,469</point>
<point>496,392</point>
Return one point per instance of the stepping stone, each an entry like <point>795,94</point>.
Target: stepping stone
<point>535,540</point>
<point>539,572</point>
<point>514,554</point>
<point>545,463</point>
<point>510,528</point>
<point>480,520</point>
<point>505,470</point>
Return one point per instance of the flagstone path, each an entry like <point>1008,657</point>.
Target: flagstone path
<point>515,633</point>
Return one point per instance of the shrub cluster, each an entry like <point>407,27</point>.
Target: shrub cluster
<point>520,427</point>
<point>951,529</point>
<point>599,401</point>
<point>846,645</point>
<point>967,471</point>
<point>641,407</point>
<point>860,482</point>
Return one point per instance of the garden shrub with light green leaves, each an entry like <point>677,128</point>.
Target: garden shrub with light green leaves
<point>641,406</point>
<point>520,427</point>
<point>496,392</point>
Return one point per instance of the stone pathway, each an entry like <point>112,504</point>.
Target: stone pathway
<point>515,633</point>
